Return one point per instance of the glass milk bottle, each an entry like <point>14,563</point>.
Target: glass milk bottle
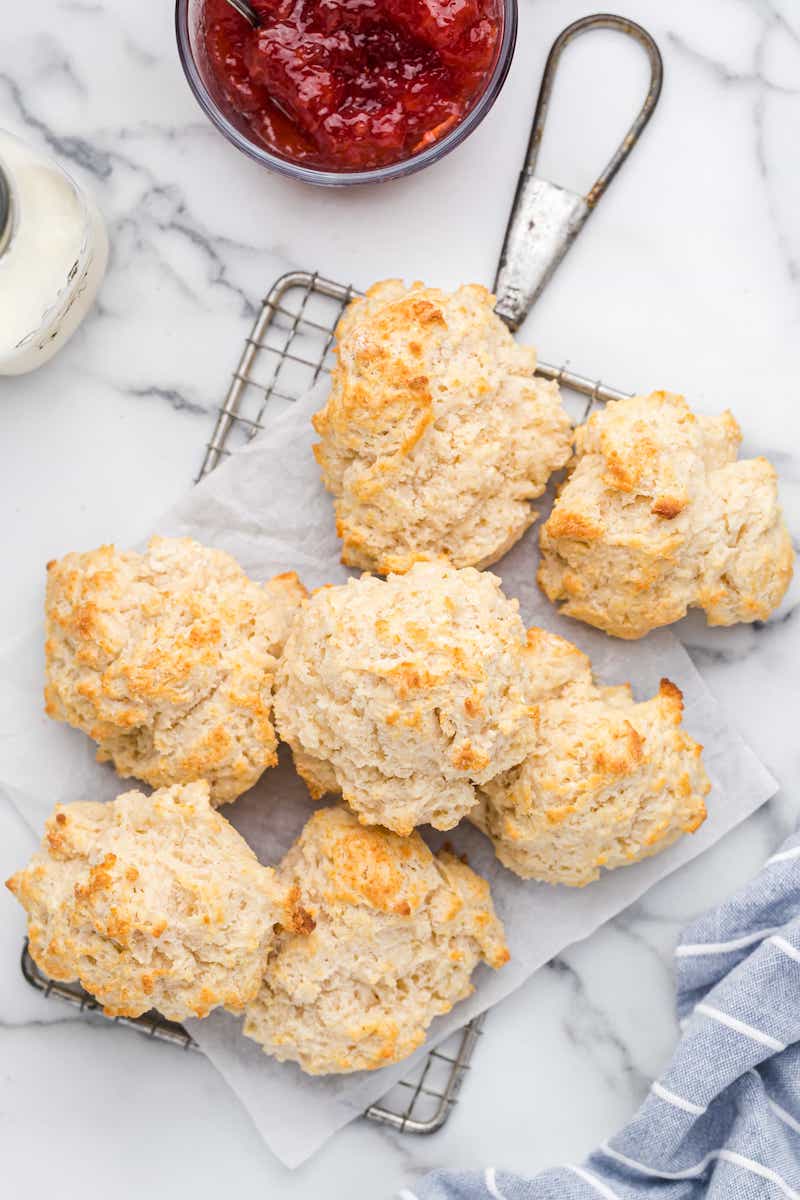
<point>53,254</point>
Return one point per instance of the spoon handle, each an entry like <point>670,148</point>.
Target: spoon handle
<point>245,10</point>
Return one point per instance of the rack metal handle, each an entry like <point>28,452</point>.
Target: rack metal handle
<point>546,218</point>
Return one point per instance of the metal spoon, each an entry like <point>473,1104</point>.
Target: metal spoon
<point>246,11</point>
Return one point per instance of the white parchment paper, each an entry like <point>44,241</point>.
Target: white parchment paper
<point>266,506</point>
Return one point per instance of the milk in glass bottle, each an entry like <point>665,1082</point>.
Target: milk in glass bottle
<point>53,254</point>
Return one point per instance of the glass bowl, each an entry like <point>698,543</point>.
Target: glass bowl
<point>187,18</point>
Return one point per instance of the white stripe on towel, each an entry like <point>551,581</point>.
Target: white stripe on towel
<point>731,1156</point>
<point>757,1168</point>
<point>784,1116</point>
<point>781,1113</point>
<point>785,946</point>
<point>677,1101</point>
<point>696,949</point>
<point>742,1027</point>
<point>601,1188</point>
<point>490,1179</point>
<point>784,855</point>
<point>405,1194</point>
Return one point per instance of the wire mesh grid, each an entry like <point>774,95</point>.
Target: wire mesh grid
<point>420,1103</point>
<point>289,348</point>
<point>150,1024</point>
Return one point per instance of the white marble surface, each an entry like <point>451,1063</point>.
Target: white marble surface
<point>688,276</point>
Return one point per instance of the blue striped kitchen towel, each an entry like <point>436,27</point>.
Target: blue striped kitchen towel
<point>724,1120</point>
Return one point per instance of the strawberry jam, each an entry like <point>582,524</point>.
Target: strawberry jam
<point>349,85</point>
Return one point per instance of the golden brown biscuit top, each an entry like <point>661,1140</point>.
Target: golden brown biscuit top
<point>403,693</point>
<point>436,433</point>
<point>658,515</point>
<point>151,901</point>
<point>166,659</point>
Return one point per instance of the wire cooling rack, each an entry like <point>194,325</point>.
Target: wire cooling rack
<point>419,1104</point>
<point>290,347</point>
<point>288,350</point>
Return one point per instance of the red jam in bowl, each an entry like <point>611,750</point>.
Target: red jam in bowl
<point>349,85</point>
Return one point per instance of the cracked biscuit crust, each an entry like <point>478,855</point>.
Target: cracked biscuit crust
<point>436,434</point>
<point>609,781</point>
<point>403,694</point>
<point>385,937</point>
<point>151,902</point>
<point>657,516</point>
<point>167,659</point>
